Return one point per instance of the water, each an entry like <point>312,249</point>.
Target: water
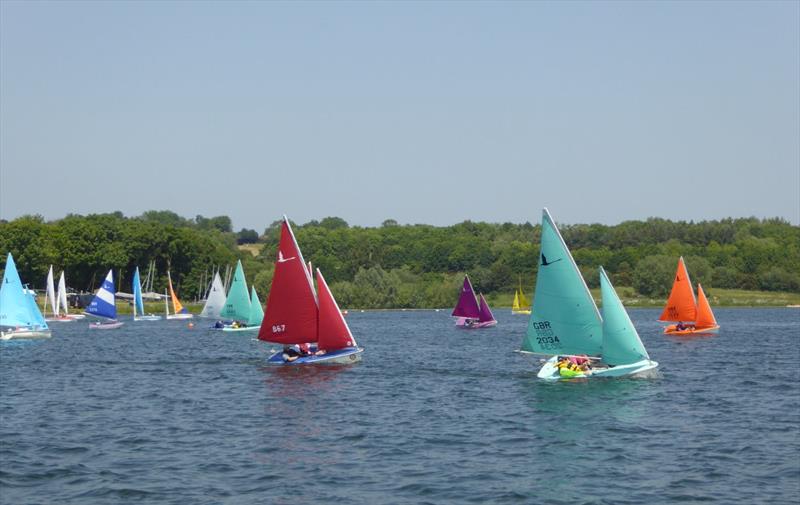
<point>161,413</point>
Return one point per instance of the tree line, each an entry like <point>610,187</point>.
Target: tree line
<point>408,266</point>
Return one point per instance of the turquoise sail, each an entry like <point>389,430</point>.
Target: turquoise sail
<point>564,317</point>
<point>256,311</point>
<point>237,305</point>
<point>138,303</point>
<point>621,342</point>
<point>15,304</point>
<point>36,314</point>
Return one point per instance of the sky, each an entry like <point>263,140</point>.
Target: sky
<point>421,112</point>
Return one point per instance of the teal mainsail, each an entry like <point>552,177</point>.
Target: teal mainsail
<point>256,311</point>
<point>237,305</point>
<point>138,303</point>
<point>564,318</point>
<point>621,342</point>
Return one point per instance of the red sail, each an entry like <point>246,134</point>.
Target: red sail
<point>333,331</point>
<point>291,315</point>
<point>681,305</point>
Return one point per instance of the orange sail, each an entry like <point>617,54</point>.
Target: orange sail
<point>705,318</point>
<point>681,304</point>
<point>176,304</point>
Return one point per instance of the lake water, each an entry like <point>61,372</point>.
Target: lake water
<point>162,413</point>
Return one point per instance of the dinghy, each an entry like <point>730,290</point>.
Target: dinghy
<point>255,318</point>
<point>215,300</point>
<point>693,316</point>
<point>19,314</point>
<point>521,304</point>
<point>469,313</point>
<point>567,326</point>
<point>50,297</point>
<point>236,308</point>
<point>180,312</point>
<point>104,306</point>
<point>297,315</point>
<point>138,302</point>
<point>61,302</point>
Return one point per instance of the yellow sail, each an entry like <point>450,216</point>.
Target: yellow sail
<point>521,304</point>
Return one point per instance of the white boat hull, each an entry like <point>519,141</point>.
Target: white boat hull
<point>644,368</point>
<point>147,318</point>
<point>25,333</point>
<point>180,316</point>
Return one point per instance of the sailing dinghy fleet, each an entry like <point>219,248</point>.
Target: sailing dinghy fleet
<point>578,339</point>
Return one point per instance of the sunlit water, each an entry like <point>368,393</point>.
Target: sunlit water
<point>157,412</point>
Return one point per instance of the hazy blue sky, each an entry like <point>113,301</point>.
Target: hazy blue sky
<point>422,112</point>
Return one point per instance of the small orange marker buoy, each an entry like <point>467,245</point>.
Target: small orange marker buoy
<point>191,325</point>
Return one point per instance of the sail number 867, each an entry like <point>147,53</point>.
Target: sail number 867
<point>278,328</point>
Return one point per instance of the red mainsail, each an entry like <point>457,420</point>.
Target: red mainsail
<point>333,331</point>
<point>291,315</point>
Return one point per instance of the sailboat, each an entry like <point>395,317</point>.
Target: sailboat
<point>104,306</point>
<point>471,313</point>
<point>255,317</point>
<point>138,303</point>
<point>50,297</point>
<point>180,312</point>
<point>215,300</point>
<point>567,325</point>
<point>521,303</point>
<point>61,302</point>
<point>297,315</point>
<point>237,304</point>
<point>682,307</point>
<point>19,314</point>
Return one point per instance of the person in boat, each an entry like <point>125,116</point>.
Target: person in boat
<point>680,326</point>
<point>290,353</point>
<point>219,324</point>
<point>469,322</point>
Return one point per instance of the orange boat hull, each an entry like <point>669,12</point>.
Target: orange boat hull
<point>671,330</point>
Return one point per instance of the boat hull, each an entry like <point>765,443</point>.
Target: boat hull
<point>521,312</point>
<point>147,318</point>
<point>180,316</point>
<point>25,333</point>
<point>461,323</point>
<point>60,319</point>
<point>337,357</point>
<point>550,371</point>
<point>671,330</point>
<point>105,326</point>
<point>244,328</point>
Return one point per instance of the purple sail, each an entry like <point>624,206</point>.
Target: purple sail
<point>467,305</point>
<point>485,313</point>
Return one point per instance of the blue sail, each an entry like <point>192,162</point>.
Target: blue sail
<point>36,314</point>
<point>15,304</point>
<point>138,303</point>
<point>103,304</point>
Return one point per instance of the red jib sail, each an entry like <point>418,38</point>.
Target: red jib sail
<point>705,318</point>
<point>333,331</point>
<point>291,315</point>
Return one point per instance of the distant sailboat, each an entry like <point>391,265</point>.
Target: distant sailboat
<point>296,315</point>
<point>237,304</point>
<point>469,312</point>
<point>255,317</point>
<point>19,314</point>
<point>138,302</point>
<point>50,297</point>
<point>521,303</point>
<point>694,316</point>
<point>567,325</point>
<point>62,307</point>
<point>180,312</point>
<point>215,300</point>
<point>104,305</point>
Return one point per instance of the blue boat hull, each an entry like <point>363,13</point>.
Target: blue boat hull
<point>339,356</point>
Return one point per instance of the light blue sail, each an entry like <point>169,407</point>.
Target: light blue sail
<point>137,293</point>
<point>564,318</point>
<point>621,342</point>
<point>103,304</point>
<point>237,305</point>
<point>256,311</point>
<point>17,306</point>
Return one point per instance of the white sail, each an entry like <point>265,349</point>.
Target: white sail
<point>216,299</point>
<point>61,299</point>
<point>50,296</point>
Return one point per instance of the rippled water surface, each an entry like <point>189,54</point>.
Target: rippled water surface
<point>161,413</point>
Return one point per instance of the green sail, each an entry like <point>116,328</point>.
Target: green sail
<point>564,318</point>
<point>621,342</point>
<point>237,305</point>
<point>256,310</point>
